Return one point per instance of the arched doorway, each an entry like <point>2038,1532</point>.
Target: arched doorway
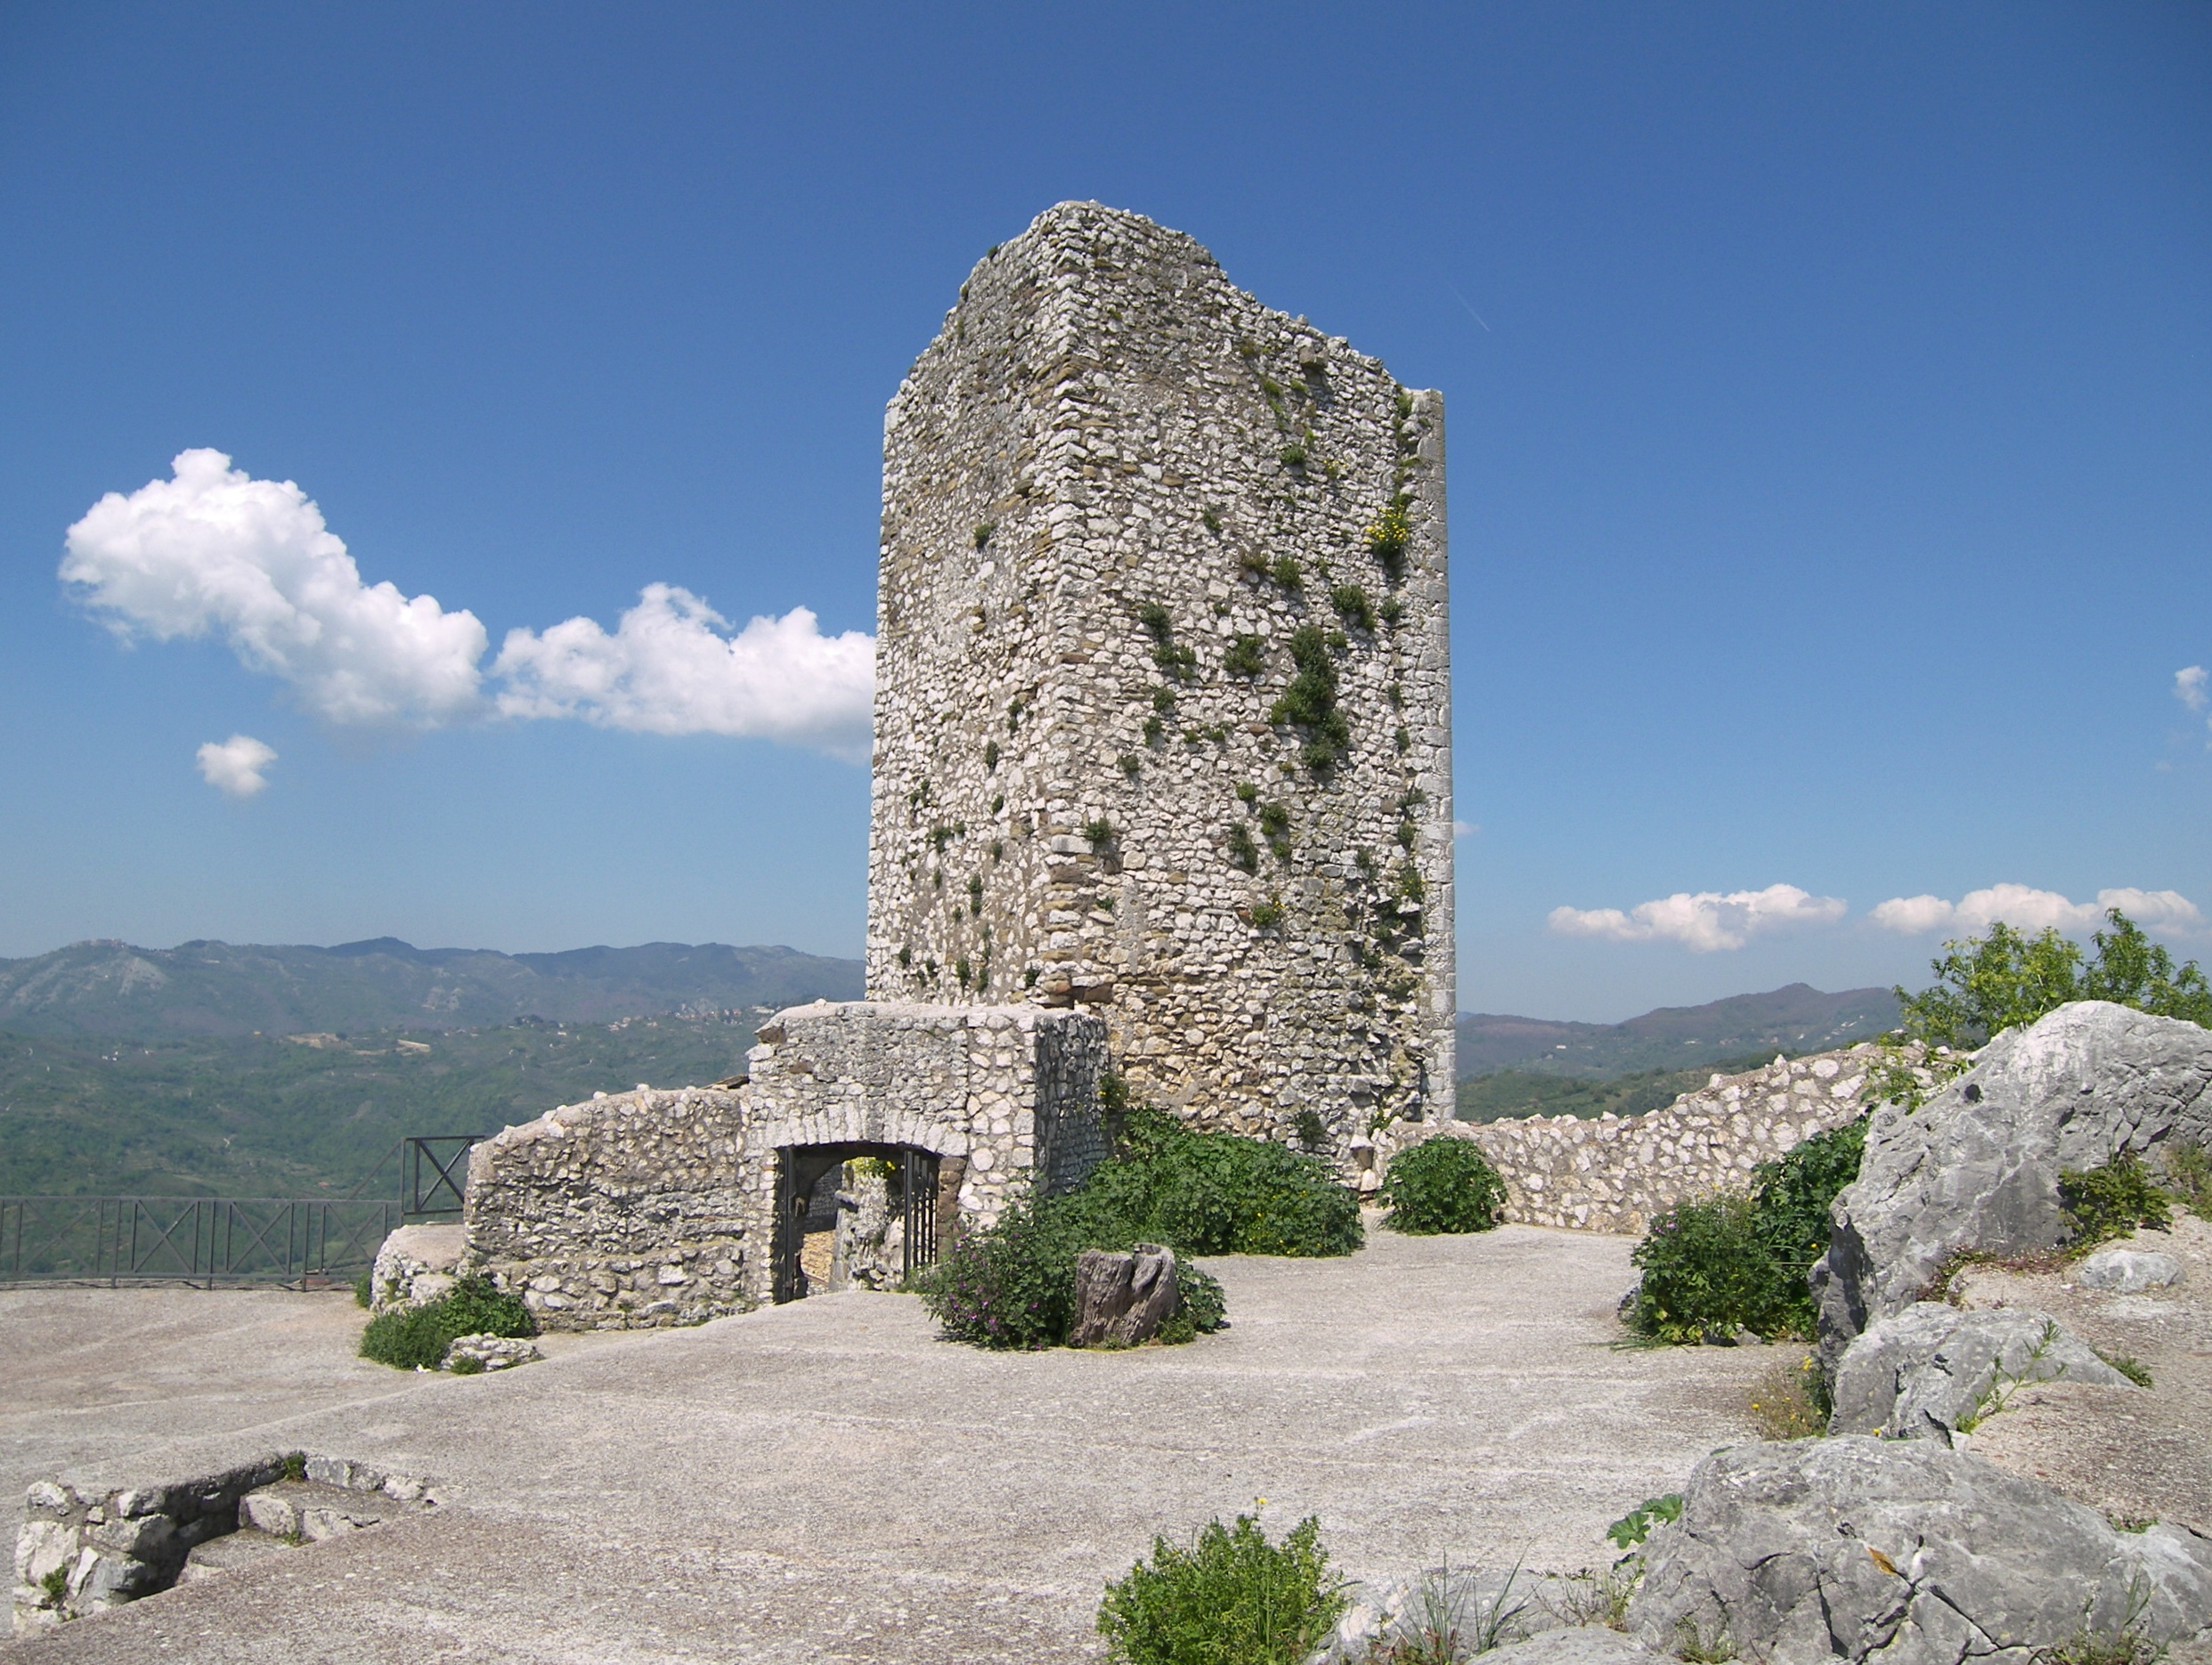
<point>808,1183</point>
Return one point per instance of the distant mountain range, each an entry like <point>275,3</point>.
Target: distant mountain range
<point>218,988</point>
<point>1798,1019</point>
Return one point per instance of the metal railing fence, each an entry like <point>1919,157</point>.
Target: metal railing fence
<point>190,1239</point>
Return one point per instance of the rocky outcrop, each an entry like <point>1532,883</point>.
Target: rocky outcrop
<point>1931,1370</point>
<point>1904,1552</point>
<point>1976,1169</point>
<point>1122,1299</point>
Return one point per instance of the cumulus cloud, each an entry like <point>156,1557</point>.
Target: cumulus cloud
<point>213,551</point>
<point>2025,908</point>
<point>2189,687</point>
<point>668,669</point>
<point>1704,921</point>
<point>1465,829</point>
<point>233,766</point>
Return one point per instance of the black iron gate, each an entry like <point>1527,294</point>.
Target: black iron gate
<point>801,1170</point>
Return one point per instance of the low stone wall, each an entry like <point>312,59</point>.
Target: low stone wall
<point>1614,1173</point>
<point>631,1211</point>
<point>650,1208</point>
<point>81,1550</point>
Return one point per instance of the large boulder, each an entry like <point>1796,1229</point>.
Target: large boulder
<point>1930,1370</point>
<point>1976,1168</point>
<point>1904,1552</point>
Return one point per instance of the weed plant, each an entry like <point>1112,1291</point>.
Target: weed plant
<point>1737,1261</point>
<point>1442,1185</point>
<point>1231,1598</point>
<point>2110,1200</point>
<point>409,1338</point>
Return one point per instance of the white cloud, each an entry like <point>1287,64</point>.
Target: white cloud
<point>2025,908</point>
<point>2189,687</point>
<point>233,766</point>
<point>1465,829</point>
<point>1705,921</point>
<point>213,550</point>
<point>668,670</point>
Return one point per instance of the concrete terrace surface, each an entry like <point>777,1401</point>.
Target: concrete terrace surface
<point>826,1482</point>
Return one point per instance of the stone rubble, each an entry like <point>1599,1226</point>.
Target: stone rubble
<point>491,1352</point>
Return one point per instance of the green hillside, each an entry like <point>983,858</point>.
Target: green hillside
<point>1529,1093</point>
<point>1798,1019</point>
<point>262,1116</point>
<point>216,988</point>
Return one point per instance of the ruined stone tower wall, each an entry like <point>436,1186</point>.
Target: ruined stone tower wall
<point>1162,709</point>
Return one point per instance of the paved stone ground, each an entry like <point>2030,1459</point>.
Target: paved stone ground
<point>89,1374</point>
<point>825,1481</point>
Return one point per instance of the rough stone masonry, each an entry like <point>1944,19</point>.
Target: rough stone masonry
<point>1162,707</point>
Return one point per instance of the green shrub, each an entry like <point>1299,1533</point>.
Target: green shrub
<point>1738,1261</point>
<point>364,1292</point>
<point>1014,1284</point>
<point>2112,1201</point>
<point>1442,1184</point>
<point>1986,984</point>
<point>416,1337</point>
<point>1231,1598</point>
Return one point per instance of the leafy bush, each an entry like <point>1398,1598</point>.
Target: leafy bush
<point>416,1337</point>
<point>1442,1185</point>
<point>1231,1598</point>
<point>1738,1261</point>
<point>1014,1284</point>
<point>2112,1201</point>
<point>1984,984</point>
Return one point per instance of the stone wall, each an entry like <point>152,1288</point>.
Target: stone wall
<point>84,1548</point>
<point>1012,1092</point>
<point>1126,506</point>
<point>650,1208</point>
<point>1614,1173</point>
<point>630,1211</point>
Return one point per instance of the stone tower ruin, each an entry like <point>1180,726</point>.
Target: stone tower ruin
<point>1163,685</point>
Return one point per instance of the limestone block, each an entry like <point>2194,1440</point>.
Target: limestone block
<point>2130,1271</point>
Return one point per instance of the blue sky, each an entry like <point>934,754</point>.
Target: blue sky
<point>1830,423</point>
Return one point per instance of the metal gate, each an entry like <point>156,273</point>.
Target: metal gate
<point>802,1169</point>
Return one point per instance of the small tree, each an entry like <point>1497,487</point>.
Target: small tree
<point>1989,984</point>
